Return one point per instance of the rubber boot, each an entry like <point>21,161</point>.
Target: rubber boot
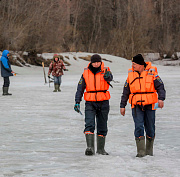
<point>100,145</point>
<point>140,143</point>
<point>55,88</point>
<point>59,90</point>
<point>90,144</point>
<point>5,91</point>
<point>149,145</point>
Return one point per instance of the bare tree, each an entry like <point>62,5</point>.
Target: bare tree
<point>118,27</point>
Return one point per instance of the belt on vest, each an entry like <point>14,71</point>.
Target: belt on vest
<point>104,91</point>
<point>140,93</point>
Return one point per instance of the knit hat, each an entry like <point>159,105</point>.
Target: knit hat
<point>56,56</point>
<point>138,59</point>
<point>95,58</point>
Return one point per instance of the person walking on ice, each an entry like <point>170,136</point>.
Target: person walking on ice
<point>96,80</point>
<point>145,90</point>
<point>56,67</point>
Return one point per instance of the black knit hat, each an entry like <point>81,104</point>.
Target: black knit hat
<point>138,59</point>
<point>95,58</point>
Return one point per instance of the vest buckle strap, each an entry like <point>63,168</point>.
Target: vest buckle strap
<point>140,101</point>
<point>135,79</point>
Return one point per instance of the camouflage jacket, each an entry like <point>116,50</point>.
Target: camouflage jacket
<point>56,68</point>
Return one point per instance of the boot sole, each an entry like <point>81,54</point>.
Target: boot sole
<point>104,153</point>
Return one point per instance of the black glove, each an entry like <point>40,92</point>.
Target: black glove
<point>49,76</point>
<point>66,70</point>
<point>107,74</point>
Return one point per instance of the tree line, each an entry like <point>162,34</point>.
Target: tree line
<point>119,27</point>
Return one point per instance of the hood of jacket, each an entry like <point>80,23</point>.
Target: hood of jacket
<point>5,52</point>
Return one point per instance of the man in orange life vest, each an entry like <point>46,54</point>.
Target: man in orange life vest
<point>95,80</point>
<point>144,89</point>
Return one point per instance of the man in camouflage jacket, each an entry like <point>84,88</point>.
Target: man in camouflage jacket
<point>56,67</point>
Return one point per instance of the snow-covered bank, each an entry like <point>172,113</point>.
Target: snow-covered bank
<point>155,59</point>
<point>41,134</point>
<point>22,58</point>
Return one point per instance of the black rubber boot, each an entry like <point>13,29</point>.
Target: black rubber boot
<point>55,88</point>
<point>149,146</point>
<point>100,145</point>
<point>90,144</point>
<point>5,91</point>
<point>59,90</point>
<point>140,143</point>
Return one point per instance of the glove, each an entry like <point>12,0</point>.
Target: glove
<point>48,76</point>
<point>66,70</point>
<point>107,74</point>
<point>77,107</point>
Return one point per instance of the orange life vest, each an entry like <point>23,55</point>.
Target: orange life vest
<point>142,86</point>
<point>96,86</point>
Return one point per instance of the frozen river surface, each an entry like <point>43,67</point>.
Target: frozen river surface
<point>41,134</point>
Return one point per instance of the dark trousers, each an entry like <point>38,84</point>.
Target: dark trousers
<point>144,120</point>
<point>100,111</point>
<point>6,82</point>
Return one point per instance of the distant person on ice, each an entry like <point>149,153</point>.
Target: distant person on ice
<point>145,90</point>
<point>95,79</point>
<point>56,67</point>
<point>6,72</point>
